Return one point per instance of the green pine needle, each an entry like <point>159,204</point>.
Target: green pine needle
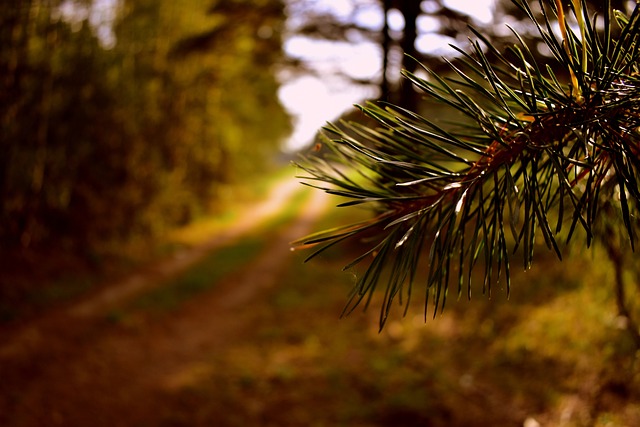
<point>535,158</point>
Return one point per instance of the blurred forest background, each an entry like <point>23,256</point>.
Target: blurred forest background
<point>121,118</point>
<point>105,138</point>
<point>126,121</point>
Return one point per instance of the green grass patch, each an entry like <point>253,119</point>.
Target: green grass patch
<point>220,263</point>
<point>201,277</point>
<point>62,290</point>
<point>204,227</point>
<point>288,213</point>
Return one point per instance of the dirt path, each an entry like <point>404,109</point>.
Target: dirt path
<point>29,336</point>
<point>149,278</point>
<point>75,368</point>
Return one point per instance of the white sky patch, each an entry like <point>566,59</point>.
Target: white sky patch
<point>480,10</point>
<point>428,24</point>
<point>436,44</point>
<point>359,61</point>
<point>315,102</point>
<point>339,8</point>
<point>396,20</point>
<point>369,17</point>
<point>101,14</point>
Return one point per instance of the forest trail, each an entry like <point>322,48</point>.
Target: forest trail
<point>78,367</point>
<point>262,346</point>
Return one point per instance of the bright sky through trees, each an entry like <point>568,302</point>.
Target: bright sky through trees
<point>314,100</point>
<point>101,15</point>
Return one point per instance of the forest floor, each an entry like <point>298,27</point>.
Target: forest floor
<point>237,331</point>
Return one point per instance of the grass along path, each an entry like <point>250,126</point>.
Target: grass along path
<point>251,220</point>
<point>247,264</point>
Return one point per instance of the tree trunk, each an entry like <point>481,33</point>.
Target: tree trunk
<point>410,10</point>
<point>385,88</point>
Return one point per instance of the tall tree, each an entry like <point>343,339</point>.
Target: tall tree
<point>104,143</point>
<point>453,24</point>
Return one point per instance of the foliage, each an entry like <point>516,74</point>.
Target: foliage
<point>104,143</point>
<point>522,155</point>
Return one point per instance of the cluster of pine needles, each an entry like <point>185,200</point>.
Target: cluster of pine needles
<point>537,151</point>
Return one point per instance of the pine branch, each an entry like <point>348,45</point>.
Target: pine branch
<point>530,157</point>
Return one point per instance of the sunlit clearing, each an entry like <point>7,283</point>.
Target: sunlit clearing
<point>315,101</point>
